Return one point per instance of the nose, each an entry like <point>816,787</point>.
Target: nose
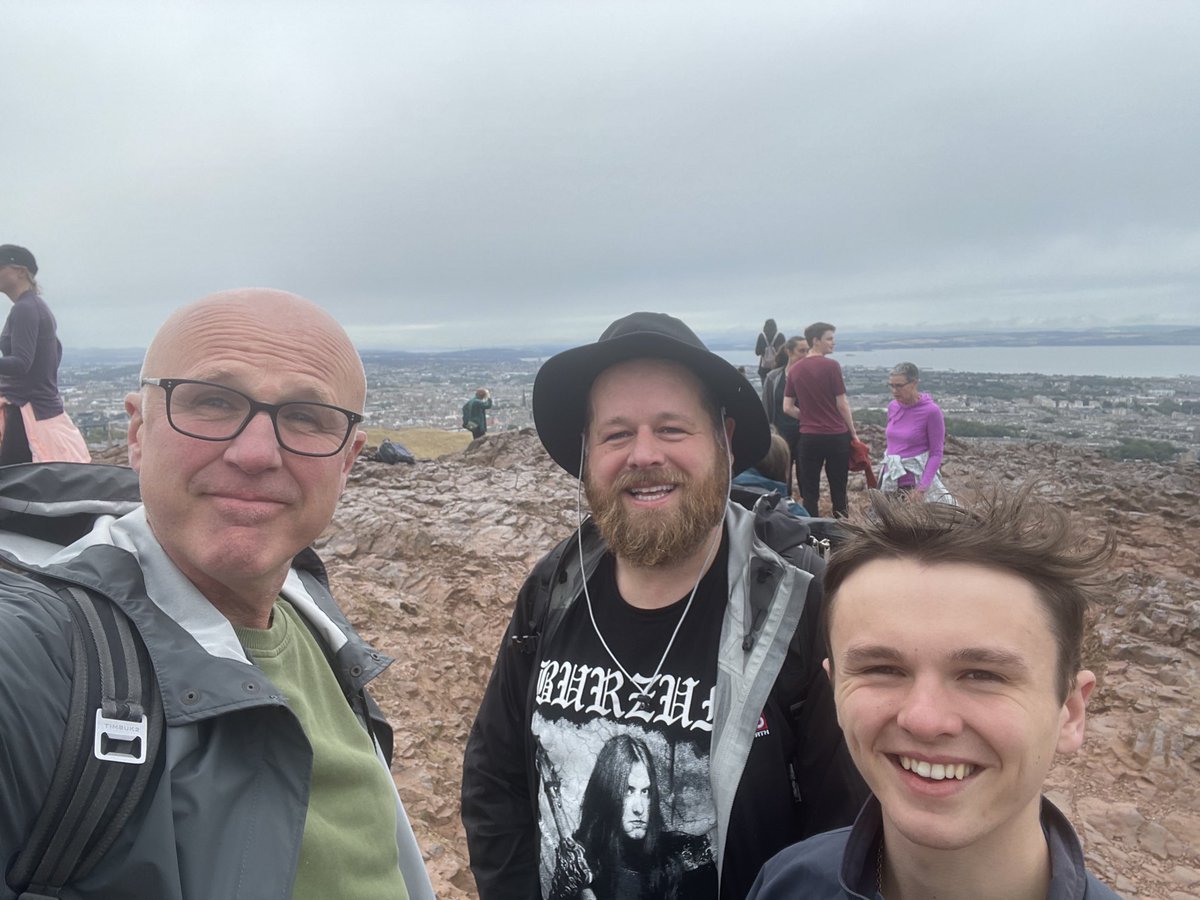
<point>256,449</point>
<point>638,805</point>
<point>645,449</point>
<point>927,710</point>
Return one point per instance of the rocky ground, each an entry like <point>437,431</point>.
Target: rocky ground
<point>428,558</point>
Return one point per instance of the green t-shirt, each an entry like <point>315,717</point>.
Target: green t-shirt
<point>349,845</point>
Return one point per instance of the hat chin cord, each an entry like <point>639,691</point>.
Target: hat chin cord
<point>643,697</point>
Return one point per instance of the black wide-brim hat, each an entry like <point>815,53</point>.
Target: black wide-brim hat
<point>564,383</point>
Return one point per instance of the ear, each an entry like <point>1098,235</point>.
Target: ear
<point>133,406</point>
<point>352,451</point>
<point>1070,735</point>
<point>828,668</point>
<point>730,424</point>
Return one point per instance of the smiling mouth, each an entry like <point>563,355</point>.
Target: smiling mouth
<point>653,492</point>
<point>935,771</point>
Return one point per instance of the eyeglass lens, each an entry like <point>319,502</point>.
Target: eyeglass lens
<point>217,413</point>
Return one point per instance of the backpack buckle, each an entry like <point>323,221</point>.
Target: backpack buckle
<point>120,740</point>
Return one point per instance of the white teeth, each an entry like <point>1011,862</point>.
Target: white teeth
<point>652,492</point>
<point>936,771</point>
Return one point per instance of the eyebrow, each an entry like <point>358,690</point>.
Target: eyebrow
<point>660,419</point>
<point>313,393</point>
<point>857,655</point>
<point>990,656</point>
<point>986,656</point>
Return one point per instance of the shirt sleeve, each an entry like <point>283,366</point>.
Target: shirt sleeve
<point>497,812</point>
<point>935,430</point>
<point>23,331</point>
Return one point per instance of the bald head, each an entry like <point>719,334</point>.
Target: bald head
<point>272,327</point>
<point>232,513</point>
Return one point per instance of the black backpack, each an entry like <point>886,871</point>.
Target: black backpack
<point>115,722</point>
<point>391,453</point>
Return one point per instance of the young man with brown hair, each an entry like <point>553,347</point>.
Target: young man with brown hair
<point>955,654</point>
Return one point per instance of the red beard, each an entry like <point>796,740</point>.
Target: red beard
<point>652,537</point>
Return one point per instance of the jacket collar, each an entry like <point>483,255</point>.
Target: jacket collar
<point>1068,874</point>
<point>198,660</point>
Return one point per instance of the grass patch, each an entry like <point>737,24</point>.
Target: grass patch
<point>424,443</point>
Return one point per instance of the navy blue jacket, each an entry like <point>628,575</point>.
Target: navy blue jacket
<point>842,864</point>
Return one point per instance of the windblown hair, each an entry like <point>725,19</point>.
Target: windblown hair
<point>791,344</point>
<point>908,370</point>
<point>815,330</point>
<point>781,358</point>
<point>1010,531</point>
<point>600,831</point>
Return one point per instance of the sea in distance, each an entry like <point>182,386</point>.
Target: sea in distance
<point>1122,361</point>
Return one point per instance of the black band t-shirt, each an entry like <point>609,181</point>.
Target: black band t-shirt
<point>623,756</point>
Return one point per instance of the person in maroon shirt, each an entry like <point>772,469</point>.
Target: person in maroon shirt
<point>816,395</point>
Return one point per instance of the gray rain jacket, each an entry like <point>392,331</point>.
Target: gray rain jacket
<point>224,820</point>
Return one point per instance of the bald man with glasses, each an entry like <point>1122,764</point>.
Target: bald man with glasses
<point>274,779</point>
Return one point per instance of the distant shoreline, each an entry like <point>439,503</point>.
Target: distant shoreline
<point>848,340</point>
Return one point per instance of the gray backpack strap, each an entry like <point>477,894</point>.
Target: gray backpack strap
<point>109,750</point>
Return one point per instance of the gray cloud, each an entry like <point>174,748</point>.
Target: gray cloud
<point>450,174</point>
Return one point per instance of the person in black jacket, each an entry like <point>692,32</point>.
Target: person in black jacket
<point>674,622</point>
<point>766,345</point>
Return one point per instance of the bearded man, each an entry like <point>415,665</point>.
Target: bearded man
<point>668,618</point>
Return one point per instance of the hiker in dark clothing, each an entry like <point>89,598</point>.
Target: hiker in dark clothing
<point>770,341</point>
<point>475,413</point>
<point>35,426</point>
<point>794,350</point>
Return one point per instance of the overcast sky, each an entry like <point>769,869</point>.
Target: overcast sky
<point>457,174</point>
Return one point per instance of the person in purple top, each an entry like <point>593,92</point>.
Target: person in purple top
<point>916,437</point>
<point>29,342</point>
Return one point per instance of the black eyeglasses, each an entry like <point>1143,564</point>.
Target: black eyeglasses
<point>213,412</point>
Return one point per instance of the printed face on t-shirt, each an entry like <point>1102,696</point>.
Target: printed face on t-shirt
<point>635,812</point>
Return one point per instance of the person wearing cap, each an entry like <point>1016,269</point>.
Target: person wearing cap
<point>667,617</point>
<point>36,427</point>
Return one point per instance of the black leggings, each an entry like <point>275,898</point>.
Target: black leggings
<point>832,451</point>
<point>15,446</point>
